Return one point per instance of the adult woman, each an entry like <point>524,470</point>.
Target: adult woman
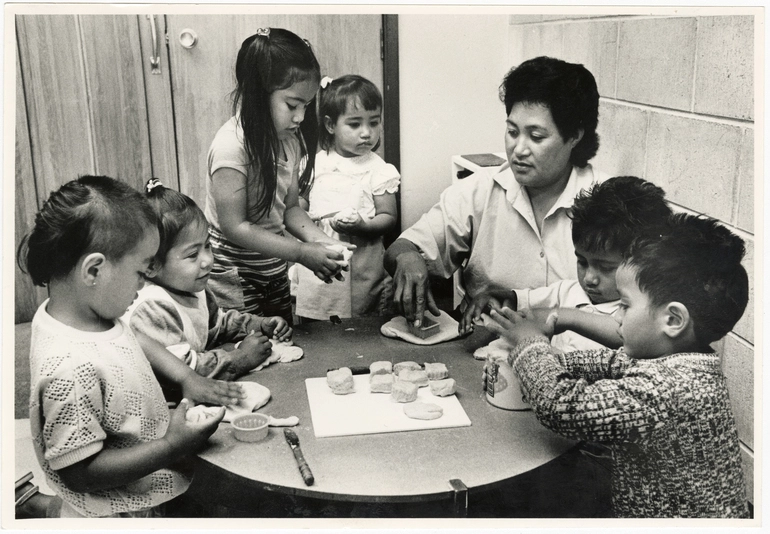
<point>509,227</point>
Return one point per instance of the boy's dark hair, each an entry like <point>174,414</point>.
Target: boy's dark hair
<point>335,98</point>
<point>89,214</point>
<point>697,263</point>
<point>175,211</point>
<point>269,60</point>
<point>568,90</point>
<point>610,215</point>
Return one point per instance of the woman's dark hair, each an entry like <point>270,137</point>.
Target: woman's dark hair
<point>610,215</point>
<point>90,214</point>
<point>175,211</point>
<point>335,97</point>
<point>568,90</point>
<point>270,60</point>
<point>696,262</point>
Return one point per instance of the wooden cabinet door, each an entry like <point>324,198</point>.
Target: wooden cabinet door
<point>203,77</point>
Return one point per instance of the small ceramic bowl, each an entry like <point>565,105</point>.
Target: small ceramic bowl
<point>250,427</point>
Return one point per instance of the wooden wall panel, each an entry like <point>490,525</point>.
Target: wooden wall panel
<point>57,102</point>
<point>204,76</point>
<point>115,84</point>
<point>28,297</point>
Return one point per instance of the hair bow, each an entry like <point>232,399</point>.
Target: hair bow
<point>152,183</point>
<point>326,81</point>
<point>263,32</point>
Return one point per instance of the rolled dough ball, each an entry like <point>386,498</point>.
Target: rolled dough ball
<point>436,371</point>
<point>443,388</point>
<point>346,254</point>
<point>381,368</point>
<point>403,391</point>
<point>381,383</point>
<point>418,377</point>
<point>423,410</point>
<point>340,381</point>
<point>400,366</point>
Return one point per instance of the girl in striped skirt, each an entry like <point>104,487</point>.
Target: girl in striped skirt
<point>254,181</point>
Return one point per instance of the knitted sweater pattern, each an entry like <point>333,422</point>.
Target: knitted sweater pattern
<point>92,391</point>
<point>667,421</point>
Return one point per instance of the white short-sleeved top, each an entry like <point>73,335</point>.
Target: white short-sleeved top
<point>228,151</point>
<point>93,391</point>
<point>487,221</point>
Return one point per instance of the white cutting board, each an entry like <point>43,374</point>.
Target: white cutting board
<point>373,413</point>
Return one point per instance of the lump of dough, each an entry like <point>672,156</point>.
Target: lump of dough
<point>381,368</point>
<point>403,391</point>
<point>200,413</point>
<point>340,381</point>
<point>443,388</point>
<point>436,371</point>
<point>346,254</point>
<point>381,383</point>
<point>418,377</point>
<point>400,366</point>
<point>423,410</point>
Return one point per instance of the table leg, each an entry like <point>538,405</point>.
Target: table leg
<point>460,498</point>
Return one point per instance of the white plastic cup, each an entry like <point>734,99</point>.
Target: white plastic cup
<point>502,385</point>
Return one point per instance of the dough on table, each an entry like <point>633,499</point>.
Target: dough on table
<point>283,352</point>
<point>443,388</point>
<point>381,368</point>
<point>423,410</point>
<point>418,377</point>
<point>404,391</point>
<point>340,381</point>
<point>436,371</point>
<point>400,366</point>
<point>381,383</point>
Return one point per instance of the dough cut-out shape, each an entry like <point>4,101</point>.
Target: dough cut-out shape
<point>381,383</point>
<point>436,371</point>
<point>400,366</point>
<point>404,391</point>
<point>443,388</point>
<point>423,410</point>
<point>415,376</point>
<point>340,381</point>
<point>381,368</point>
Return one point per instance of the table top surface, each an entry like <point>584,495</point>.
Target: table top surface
<point>389,467</point>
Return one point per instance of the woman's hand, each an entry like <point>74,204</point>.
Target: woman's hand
<point>484,303</point>
<point>516,326</point>
<point>277,327</point>
<point>210,391</point>
<point>411,287</point>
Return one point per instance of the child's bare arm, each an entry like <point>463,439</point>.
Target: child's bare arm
<point>194,386</point>
<point>386,212</point>
<point>484,303</point>
<point>600,328</point>
<point>112,468</point>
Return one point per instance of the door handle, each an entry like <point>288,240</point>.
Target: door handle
<point>188,38</point>
<point>155,52</point>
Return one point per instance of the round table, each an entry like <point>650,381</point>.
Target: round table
<point>391,467</point>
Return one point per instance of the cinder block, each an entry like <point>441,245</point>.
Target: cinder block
<point>738,368</point>
<point>745,326</point>
<point>695,161</point>
<point>746,199</point>
<point>622,140</point>
<point>594,44</point>
<point>747,461</point>
<point>724,79</point>
<point>655,61</point>
<point>533,40</point>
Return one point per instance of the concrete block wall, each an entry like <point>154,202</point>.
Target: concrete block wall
<point>677,108</point>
